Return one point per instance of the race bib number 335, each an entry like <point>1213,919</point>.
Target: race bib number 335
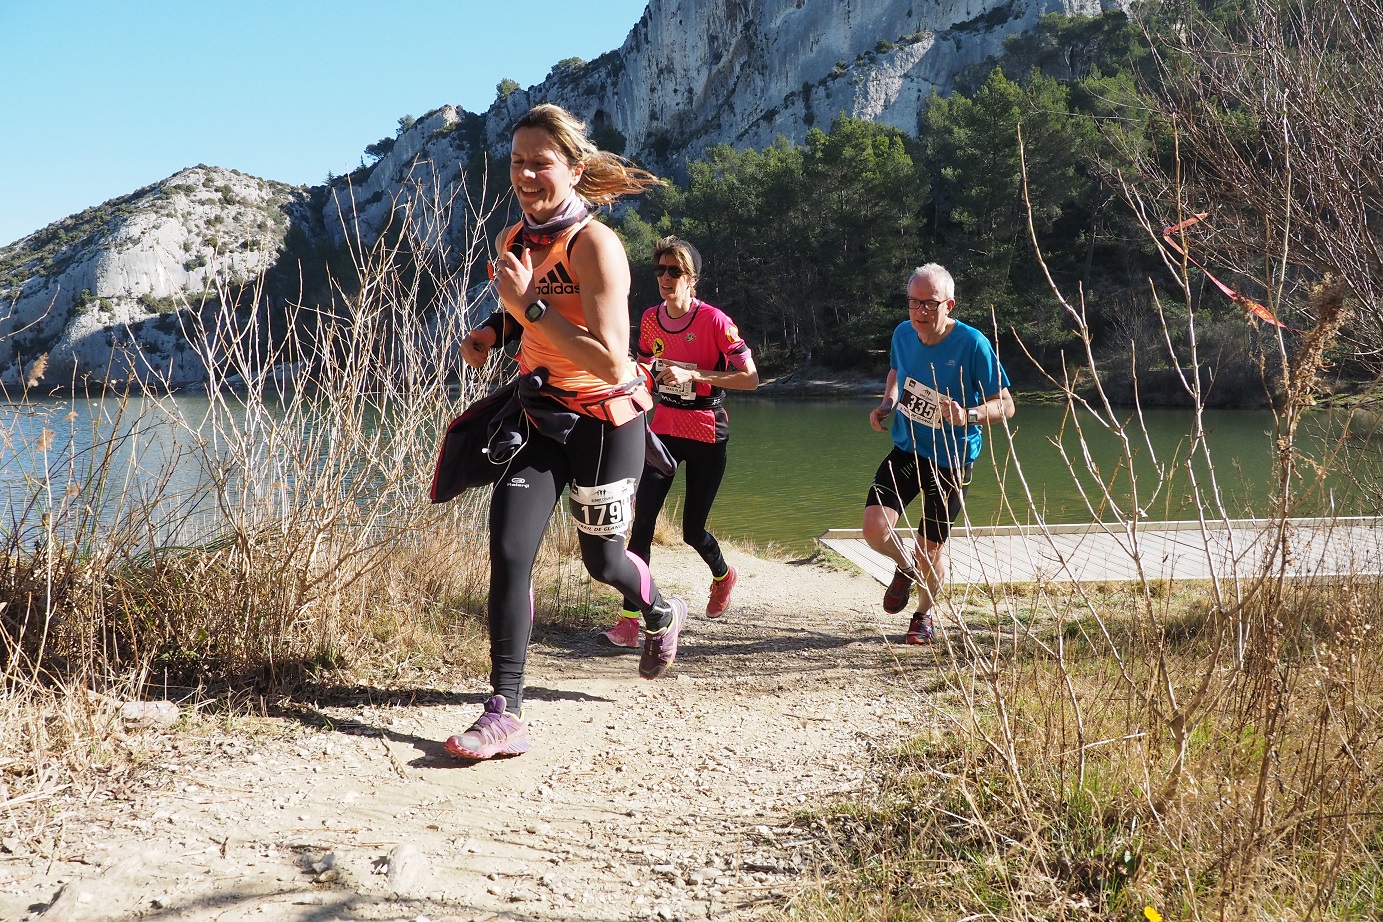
<point>605,509</point>
<point>921,404</point>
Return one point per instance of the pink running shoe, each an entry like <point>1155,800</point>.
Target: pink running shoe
<point>625,633</point>
<point>660,649</point>
<point>496,733</point>
<point>720,593</point>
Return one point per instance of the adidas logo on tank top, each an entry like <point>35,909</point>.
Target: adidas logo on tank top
<point>557,282</point>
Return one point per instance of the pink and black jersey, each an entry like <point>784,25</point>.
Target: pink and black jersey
<point>703,337</point>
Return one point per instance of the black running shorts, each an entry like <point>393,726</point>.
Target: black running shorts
<point>903,475</point>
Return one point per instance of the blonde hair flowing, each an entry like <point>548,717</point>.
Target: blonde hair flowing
<point>607,177</point>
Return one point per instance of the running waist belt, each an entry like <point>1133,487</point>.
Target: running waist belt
<point>617,406</point>
<point>707,402</point>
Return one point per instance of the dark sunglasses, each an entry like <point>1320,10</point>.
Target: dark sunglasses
<point>674,271</point>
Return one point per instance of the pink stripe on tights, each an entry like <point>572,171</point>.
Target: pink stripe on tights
<point>645,578</point>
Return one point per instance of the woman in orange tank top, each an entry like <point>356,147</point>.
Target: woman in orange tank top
<point>565,279</point>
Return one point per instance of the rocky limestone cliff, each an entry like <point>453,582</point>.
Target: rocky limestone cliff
<point>696,73</point>
<point>103,296</point>
<point>425,158</point>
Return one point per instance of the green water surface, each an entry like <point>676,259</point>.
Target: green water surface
<point>800,467</point>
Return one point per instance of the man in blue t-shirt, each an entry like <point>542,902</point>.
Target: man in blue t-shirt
<point>945,381</point>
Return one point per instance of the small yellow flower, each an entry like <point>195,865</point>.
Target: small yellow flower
<point>1152,915</point>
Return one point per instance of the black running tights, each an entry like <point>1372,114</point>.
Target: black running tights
<point>595,454</point>
<point>705,467</point>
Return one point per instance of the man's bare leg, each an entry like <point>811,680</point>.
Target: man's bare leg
<point>880,533</point>
<point>931,563</point>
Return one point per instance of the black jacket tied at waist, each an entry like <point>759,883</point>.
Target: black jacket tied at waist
<point>479,444</point>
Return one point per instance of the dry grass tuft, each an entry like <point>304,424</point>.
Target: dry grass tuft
<point>1046,795</point>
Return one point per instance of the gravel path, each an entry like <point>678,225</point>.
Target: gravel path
<point>665,800</point>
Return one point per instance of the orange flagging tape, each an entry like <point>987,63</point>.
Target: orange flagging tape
<point>1248,304</point>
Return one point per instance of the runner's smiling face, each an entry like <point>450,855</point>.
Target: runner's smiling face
<point>541,176</point>
<point>928,311</point>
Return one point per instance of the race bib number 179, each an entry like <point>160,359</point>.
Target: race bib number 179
<point>921,404</point>
<point>605,509</point>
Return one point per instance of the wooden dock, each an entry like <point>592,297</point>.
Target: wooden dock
<point>1160,550</point>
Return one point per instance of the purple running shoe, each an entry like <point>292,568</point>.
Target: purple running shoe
<point>660,649</point>
<point>496,733</point>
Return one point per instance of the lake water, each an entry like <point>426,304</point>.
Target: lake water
<point>800,467</point>
<point>52,450</point>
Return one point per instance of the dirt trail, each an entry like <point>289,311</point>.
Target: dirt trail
<point>663,800</point>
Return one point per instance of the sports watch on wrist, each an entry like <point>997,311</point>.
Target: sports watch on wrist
<point>972,415</point>
<point>535,311</point>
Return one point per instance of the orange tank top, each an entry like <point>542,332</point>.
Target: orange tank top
<point>556,283</point>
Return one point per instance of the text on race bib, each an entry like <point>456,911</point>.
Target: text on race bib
<point>921,404</point>
<point>681,391</point>
<point>605,509</point>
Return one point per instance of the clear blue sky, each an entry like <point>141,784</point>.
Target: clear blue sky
<point>98,99</point>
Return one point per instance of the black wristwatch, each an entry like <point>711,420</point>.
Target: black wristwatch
<point>535,311</point>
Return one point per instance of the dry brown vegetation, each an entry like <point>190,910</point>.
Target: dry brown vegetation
<point>1106,751</point>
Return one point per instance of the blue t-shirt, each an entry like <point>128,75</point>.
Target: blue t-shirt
<point>962,367</point>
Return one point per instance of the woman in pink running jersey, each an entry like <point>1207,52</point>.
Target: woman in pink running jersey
<point>697,354</point>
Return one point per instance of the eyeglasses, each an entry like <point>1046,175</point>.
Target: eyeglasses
<point>916,304</point>
<point>672,271</point>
